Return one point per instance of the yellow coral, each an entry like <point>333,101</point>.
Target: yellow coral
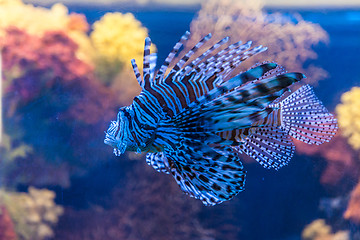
<point>315,230</point>
<point>348,112</point>
<point>33,213</point>
<point>319,230</point>
<point>11,152</point>
<point>38,20</point>
<point>118,38</point>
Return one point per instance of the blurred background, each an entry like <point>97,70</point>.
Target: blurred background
<point>66,71</point>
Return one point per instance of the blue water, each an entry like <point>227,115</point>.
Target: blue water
<point>340,57</point>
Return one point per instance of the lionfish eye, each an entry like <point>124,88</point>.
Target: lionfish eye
<point>126,113</point>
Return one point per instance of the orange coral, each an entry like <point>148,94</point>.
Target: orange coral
<point>289,39</point>
<point>7,231</point>
<point>353,210</point>
<point>78,22</point>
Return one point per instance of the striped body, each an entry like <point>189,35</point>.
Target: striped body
<point>196,122</point>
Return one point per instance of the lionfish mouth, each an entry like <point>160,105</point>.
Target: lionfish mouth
<point>109,141</point>
<point>110,134</point>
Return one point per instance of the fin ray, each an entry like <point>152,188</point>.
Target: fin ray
<point>270,146</point>
<point>305,118</point>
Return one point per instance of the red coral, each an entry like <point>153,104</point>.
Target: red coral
<point>18,48</point>
<point>353,210</point>
<point>48,61</point>
<point>59,53</point>
<point>7,231</point>
<point>340,157</point>
<point>51,94</point>
<point>41,61</point>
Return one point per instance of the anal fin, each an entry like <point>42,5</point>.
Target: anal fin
<point>214,176</point>
<point>158,161</point>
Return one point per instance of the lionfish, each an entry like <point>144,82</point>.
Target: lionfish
<point>196,121</point>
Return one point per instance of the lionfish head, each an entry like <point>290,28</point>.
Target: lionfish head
<point>117,134</point>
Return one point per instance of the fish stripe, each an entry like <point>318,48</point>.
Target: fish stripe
<point>160,74</point>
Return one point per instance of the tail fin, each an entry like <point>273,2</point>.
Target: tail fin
<point>305,118</point>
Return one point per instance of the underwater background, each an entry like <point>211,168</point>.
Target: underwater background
<point>66,71</point>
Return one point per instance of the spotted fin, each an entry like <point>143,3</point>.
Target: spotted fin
<point>158,161</point>
<point>211,174</point>
<point>305,118</point>
<point>268,145</point>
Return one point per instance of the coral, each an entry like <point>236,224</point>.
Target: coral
<point>34,213</point>
<point>349,116</point>
<point>38,63</point>
<point>30,18</point>
<point>51,94</point>
<point>353,210</point>
<point>341,160</point>
<point>7,231</point>
<point>289,40</point>
<point>318,230</point>
<point>38,21</point>
<point>117,38</point>
<point>9,152</point>
<point>78,22</point>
